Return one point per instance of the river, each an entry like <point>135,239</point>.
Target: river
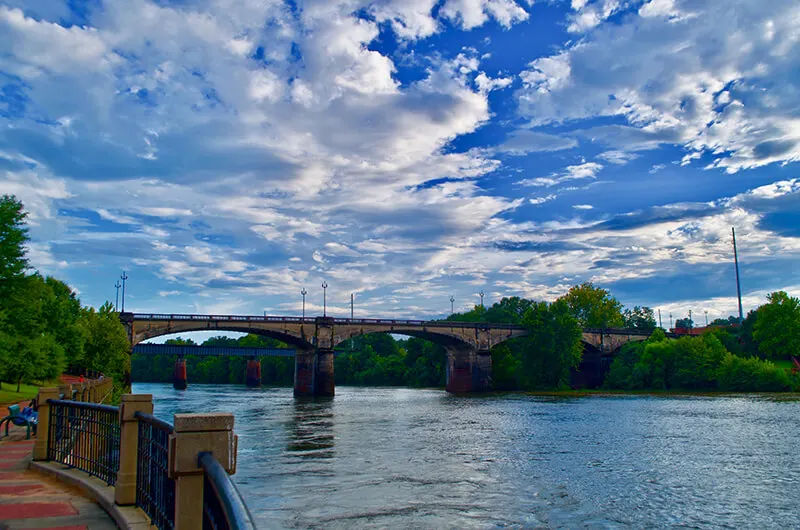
<point>409,458</point>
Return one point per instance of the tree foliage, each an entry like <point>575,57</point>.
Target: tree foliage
<point>640,318</point>
<point>594,307</point>
<point>43,328</point>
<point>777,328</point>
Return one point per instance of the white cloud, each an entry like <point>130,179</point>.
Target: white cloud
<point>582,206</point>
<point>584,170</point>
<point>726,94</point>
<point>521,142</point>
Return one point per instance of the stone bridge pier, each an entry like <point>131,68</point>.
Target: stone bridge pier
<point>468,369</point>
<point>253,374</point>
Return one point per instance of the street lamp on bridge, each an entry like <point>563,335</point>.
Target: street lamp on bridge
<point>304,293</point>
<point>481,295</point>
<point>116,300</point>
<point>452,300</point>
<point>324,298</point>
<point>124,277</point>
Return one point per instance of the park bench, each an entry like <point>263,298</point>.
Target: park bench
<point>27,417</point>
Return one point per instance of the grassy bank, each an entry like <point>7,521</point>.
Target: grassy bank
<point>9,395</point>
<point>661,393</point>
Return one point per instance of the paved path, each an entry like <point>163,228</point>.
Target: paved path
<point>29,500</point>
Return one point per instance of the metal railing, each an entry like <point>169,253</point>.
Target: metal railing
<point>312,320</point>
<point>85,436</point>
<point>223,508</point>
<point>155,490</point>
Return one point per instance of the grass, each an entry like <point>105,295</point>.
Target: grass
<point>9,396</point>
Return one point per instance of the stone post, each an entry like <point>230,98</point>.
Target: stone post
<point>43,428</point>
<point>194,434</point>
<point>125,488</point>
<point>324,384</point>
<point>66,390</point>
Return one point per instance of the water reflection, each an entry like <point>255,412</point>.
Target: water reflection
<point>310,429</point>
<point>402,458</point>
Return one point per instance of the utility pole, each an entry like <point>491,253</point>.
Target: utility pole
<point>452,301</point>
<point>304,293</point>
<point>738,285</point>
<point>124,277</point>
<point>351,306</point>
<point>659,319</point>
<point>116,300</point>
<point>324,298</point>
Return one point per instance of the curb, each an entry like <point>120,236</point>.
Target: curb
<point>126,517</point>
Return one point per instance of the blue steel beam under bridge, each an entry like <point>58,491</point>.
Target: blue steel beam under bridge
<point>211,351</point>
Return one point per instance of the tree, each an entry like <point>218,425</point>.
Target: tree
<point>594,307</point>
<point>684,323</point>
<point>777,329</point>
<point>552,347</point>
<point>13,236</point>
<point>640,318</point>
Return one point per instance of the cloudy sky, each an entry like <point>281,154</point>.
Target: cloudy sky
<point>228,153</point>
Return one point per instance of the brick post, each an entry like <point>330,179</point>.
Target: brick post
<point>125,488</point>
<point>43,428</point>
<point>194,434</point>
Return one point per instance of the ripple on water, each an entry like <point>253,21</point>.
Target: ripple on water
<point>378,458</point>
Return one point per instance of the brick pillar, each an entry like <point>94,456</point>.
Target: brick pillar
<point>460,362</point>
<point>194,434</point>
<point>125,488</point>
<point>482,372</point>
<point>43,428</point>
<point>324,385</point>
<point>304,372</point>
<point>253,378</point>
<point>179,379</point>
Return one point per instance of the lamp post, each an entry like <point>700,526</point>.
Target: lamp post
<point>481,295</point>
<point>324,298</point>
<point>659,319</point>
<point>452,307</point>
<point>690,319</point>
<point>351,305</point>
<point>706,312</point>
<point>304,293</point>
<point>116,300</point>
<point>670,321</point>
<point>124,277</point>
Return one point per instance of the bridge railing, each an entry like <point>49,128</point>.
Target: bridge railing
<point>313,320</point>
<point>164,469</point>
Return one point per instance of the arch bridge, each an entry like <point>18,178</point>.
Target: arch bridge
<point>468,344</point>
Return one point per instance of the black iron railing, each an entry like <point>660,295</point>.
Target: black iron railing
<point>223,507</point>
<point>155,490</point>
<point>85,436</point>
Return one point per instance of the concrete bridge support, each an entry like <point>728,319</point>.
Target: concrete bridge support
<point>313,373</point>
<point>179,379</point>
<point>253,377</point>
<point>468,370</point>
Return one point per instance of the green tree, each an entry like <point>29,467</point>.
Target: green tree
<point>684,323</point>
<point>107,347</point>
<point>777,329</point>
<point>553,346</point>
<point>594,307</point>
<point>13,236</point>
<point>640,318</point>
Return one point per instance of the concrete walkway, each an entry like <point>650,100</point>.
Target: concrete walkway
<point>30,500</point>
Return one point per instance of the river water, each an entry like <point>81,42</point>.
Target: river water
<point>409,458</point>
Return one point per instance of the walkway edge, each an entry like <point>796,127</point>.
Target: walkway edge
<point>126,517</point>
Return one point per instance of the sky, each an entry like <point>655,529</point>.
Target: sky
<point>228,153</point>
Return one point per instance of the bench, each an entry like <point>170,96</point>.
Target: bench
<point>27,418</point>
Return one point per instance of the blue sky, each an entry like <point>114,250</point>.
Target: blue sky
<point>229,153</point>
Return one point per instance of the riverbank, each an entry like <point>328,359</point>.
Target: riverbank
<point>659,393</point>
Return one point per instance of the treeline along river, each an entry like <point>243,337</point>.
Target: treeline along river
<point>414,458</point>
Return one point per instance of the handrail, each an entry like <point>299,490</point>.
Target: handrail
<point>312,320</point>
<point>234,511</point>
<point>84,405</point>
<point>155,422</point>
